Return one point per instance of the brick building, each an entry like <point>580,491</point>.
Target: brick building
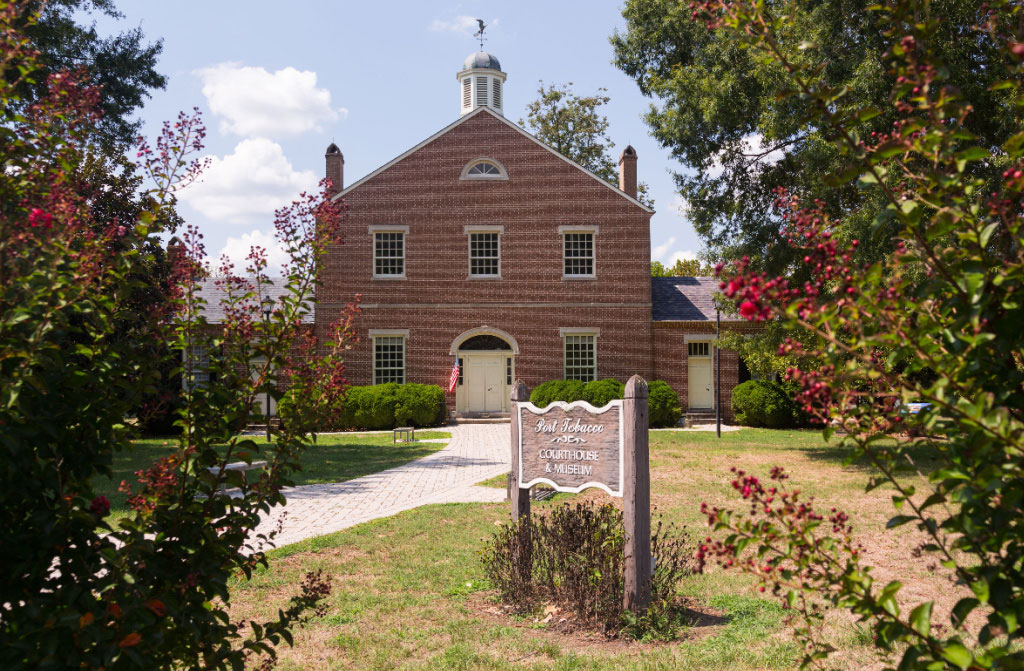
<point>482,244</point>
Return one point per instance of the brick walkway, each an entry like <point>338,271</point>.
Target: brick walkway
<point>475,453</point>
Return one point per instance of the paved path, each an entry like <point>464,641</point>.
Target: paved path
<point>475,453</point>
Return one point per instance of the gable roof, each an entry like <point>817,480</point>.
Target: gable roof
<point>486,110</point>
<point>685,299</point>
<point>216,297</point>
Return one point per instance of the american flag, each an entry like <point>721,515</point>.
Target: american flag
<point>453,380</point>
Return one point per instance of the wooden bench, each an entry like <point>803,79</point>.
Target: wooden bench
<point>405,433</point>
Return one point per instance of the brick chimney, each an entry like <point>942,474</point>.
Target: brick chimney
<point>336,168</point>
<point>627,171</point>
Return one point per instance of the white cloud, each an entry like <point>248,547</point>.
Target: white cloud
<point>245,187</point>
<point>464,25</point>
<point>253,102</point>
<point>679,204</point>
<point>237,249</point>
<point>684,255</point>
<point>751,146</point>
<point>658,253</point>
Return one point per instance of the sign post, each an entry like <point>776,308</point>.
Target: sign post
<point>575,446</point>
<point>520,496</point>
<point>636,504</point>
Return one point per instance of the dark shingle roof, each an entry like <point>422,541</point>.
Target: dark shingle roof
<point>215,296</point>
<point>685,299</point>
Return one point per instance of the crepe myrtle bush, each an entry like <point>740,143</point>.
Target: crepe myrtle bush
<point>151,590</point>
<point>939,321</point>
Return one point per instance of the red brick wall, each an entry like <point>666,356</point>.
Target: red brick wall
<point>531,301</point>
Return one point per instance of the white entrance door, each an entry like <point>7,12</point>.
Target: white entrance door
<point>701,381</point>
<point>484,379</point>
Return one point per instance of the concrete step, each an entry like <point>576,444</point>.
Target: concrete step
<point>482,418</point>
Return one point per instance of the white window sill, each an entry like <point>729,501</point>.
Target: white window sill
<point>483,277</point>
<point>579,277</point>
<point>388,277</point>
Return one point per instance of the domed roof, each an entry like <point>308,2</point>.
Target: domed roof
<point>481,59</point>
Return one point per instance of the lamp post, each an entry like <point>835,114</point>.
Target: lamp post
<point>268,309</point>
<point>718,372</point>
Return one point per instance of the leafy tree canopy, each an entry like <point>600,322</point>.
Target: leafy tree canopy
<point>573,126</point>
<point>682,268</point>
<point>717,109</point>
<point>123,65</point>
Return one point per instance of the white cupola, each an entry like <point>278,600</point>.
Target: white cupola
<point>480,83</point>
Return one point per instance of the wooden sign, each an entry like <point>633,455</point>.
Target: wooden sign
<point>571,446</point>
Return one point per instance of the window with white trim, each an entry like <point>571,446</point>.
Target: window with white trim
<point>196,373</point>
<point>578,254</point>
<point>580,351</point>
<point>485,254</point>
<point>388,359</point>
<point>483,168</point>
<point>698,348</point>
<point>389,254</point>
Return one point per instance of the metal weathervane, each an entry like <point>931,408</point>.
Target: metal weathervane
<point>480,33</point>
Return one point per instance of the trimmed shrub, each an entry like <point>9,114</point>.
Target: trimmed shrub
<point>557,390</point>
<point>599,392</point>
<point>764,403</point>
<point>418,404</point>
<point>385,406</point>
<point>663,404</point>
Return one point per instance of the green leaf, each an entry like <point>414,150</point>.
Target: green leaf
<point>980,589</point>
<point>962,609</point>
<point>1015,145</point>
<point>921,618</point>
<point>957,654</point>
<point>899,520</point>
<point>972,154</point>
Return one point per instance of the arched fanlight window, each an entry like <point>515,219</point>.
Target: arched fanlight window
<point>484,168</point>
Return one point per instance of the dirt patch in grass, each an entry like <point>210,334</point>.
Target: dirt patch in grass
<point>552,624</point>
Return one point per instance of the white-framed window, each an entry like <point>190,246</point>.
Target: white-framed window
<point>698,348</point>
<point>578,251</point>
<point>484,168</point>
<point>196,373</point>
<point>389,251</point>
<point>484,251</point>
<point>389,355</point>
<point>579,349</point>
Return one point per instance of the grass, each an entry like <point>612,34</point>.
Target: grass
<point>334,458</point>
<point>409,591</point>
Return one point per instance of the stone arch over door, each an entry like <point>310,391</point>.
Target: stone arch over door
<point>487,361</point>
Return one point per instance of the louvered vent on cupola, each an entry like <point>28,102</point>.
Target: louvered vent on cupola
<point>467,93</point>
<point>481,91</point>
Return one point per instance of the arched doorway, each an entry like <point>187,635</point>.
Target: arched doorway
<point>486,371</point>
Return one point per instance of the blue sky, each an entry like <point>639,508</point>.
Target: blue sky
<point>277,82</point>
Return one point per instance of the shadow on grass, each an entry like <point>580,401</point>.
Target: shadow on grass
<point>922,455</point>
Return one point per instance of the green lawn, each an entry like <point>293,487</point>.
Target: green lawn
<point>334,458</point>
<point>409,592</point>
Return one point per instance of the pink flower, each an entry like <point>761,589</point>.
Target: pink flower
<point>100,506</point>
<point>748,309</point>
<point>39,218</point>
